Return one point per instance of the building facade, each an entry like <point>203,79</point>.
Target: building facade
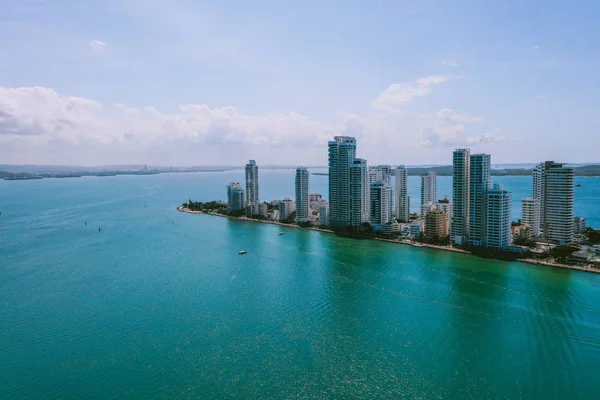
<point>383,173</point>
<point>359,193</point>
<point>530,215</point>
<point>235,197</point>
<point>286,208</point>
<point>401,196</point>
<point>381,195</point>
<point>324,215</point>
<point>579,225</point>
<point>553,186</point>
<point>342,152</point>
<point>303,211</point>
<point>479,183</point>
<point>499,218</point>
<point>436,226</point>
<point>429,188</point>
<point>252,198</point>
<point>461,171</point>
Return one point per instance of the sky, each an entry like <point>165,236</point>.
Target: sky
<point>188,82</point>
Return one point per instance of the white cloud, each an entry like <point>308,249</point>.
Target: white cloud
<point>542,96</point>
<point>450,63</point>
<point>97,46</point>
<point>398,94</point>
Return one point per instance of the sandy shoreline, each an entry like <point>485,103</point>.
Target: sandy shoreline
<point>539,263</point>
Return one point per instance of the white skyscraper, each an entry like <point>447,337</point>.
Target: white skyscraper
<point>499,217</point>
<point>252,199</point>
<point>286,207</point>
<point>461,161</point>
<point>380,204</point>
<point>401,195</point>
<point>530,215</point>
<point>553,186</point>
<point>235,197</point>
<point>479,183</point>
<point>429,188</point>
<point>359,193</point>
<point>342,151</point>
<point>302,196</point>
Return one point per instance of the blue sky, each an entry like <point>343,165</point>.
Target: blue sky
<point>194,83</point>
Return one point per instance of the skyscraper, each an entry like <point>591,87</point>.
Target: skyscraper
<point>380,204</point>
<point>461,162</point>
<point>429,188</point>
<point>342,151</point>
<point>530,215</point>
<point>302,196</point>
<point>401,196</point>
<point>359,193</point>
<point>235,197</point>
<point>553,186</point>
<point>499,217</point>
<point>252,199</point>
<point>383,173</point>
<point>479,184</point>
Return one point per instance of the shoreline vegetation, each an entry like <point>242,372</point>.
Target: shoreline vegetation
<point>449,248</point>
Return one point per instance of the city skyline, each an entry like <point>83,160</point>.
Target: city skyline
<point>172,83</point>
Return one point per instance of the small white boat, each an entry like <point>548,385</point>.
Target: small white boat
<point>281,233</point>
<point>242,252</point>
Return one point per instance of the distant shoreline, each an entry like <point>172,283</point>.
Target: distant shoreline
<point>538,263</point>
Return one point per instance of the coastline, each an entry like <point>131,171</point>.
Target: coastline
<point>530,261</point>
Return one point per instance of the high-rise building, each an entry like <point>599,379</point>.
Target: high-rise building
<point>401,196</point>
<point>383,173</point>
<point>316,201</point>
<point>530,215</point>
<point>445,205</point>
<point>252,199</point>
<point>436,226</point>
<point>286,208</point>
<point>302,196</point>
<point>461,171</point>
<point>479,183</point>
<point>235,197</point>
<point>324,215</point>
<point>579,225</point>
<point>359,193</point>
<point>381,194</point>
<point>553,186</point>
<point>499,218</point>
<point>342,152</point>
<point>429,188</point>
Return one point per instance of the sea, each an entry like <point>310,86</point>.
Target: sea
<point>107,292</point>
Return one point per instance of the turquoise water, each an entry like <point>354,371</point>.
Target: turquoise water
<point>160,305</point>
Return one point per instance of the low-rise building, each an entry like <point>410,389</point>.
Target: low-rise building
<point>579,225</point>
<point>286,207</point>
<point>436,226</point>
<point>263,209</point>
<point>415,229</point>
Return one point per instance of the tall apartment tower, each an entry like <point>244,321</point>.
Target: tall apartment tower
<point>461,171</point>
<point>499,217</point>
<point>429,188</point>
<point>401,196</point>
<point>302,196</point>
<point>235,197</point>
<point>479,183</point>
<point>553,186</point>
<point>383,173</point>
<point>530,215</point>
<point>342,151</point>
<point>359,193</point>
<point>381,195</point>
<point>252,199</point>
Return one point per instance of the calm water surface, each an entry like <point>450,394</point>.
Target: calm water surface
<point>160,305</point>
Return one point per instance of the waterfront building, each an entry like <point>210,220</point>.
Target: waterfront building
<point>499,218</point>
<point>324,215</point>
<point>381,195</point>
<point>235,197</point>
<point>391,228</point>
<point>359,193</point>
<point>530,215</point>
<point>415,229</point>
<point>286,208</point>
<point>425,208</point>
<point>579,225</point>
<point>342,152</point>
<point>401,196</point>
<point>553,186</point>
<point>445,205</point>
<point>303,212</point>
<point>436,226</point>
<point>479,183</point>
<point>316,201</point>
<point>429,188</point>
<point>252,199</point>
<point>263,209</point>
<point>461,162</point>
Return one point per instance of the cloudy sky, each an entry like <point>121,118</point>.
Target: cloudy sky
<point>189,82</point>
